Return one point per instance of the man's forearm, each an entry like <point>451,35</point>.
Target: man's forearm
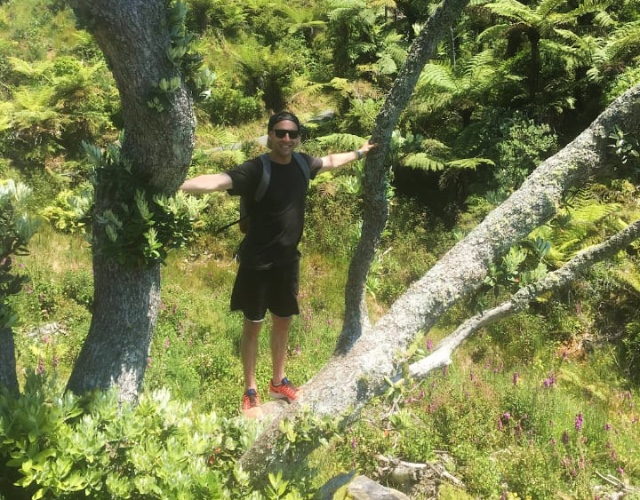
<point>207,183</point>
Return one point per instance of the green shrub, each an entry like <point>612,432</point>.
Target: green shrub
<point>70,210</point>
<point>482,476</point>
<point>16,229</point>
<point>229,106</point>
<point>65,447</point>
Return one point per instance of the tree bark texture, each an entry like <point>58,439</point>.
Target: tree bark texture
<point>8,375</point>
<point>374,185</point>
<point>134,36</point>
<point>348,381</point>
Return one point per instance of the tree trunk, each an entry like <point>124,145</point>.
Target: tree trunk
<point>374,185</point>
<point>350,380</point>
<point>8,376</point>
<point>134,36</point>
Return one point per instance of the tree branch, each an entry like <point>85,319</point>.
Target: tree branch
<point>441,356</point>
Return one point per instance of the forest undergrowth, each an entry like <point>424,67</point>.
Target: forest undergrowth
<point>536,406</point>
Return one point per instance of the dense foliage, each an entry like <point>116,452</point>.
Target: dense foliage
<point>538,405</point>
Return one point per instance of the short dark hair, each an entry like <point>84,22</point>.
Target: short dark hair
<point>282,116</point>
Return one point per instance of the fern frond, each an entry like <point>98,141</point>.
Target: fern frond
<point>495,32</point>
<point>510,9</point>
<point>594,212</point>
<point>597,7</point>
<point>422,161</point>
<point>312,24</point>
<point>624,40</point>
<point>340,142</point>
<point>386,65</point>
<point>470,163</point>
<point>437,75</point>
<point>546,7</point>
<point>33,69</point>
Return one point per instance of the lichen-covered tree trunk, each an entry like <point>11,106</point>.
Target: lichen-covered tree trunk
<point>376,170</point>
<point>134,36</point>
<point>349,381</point>
<point>8,376</point>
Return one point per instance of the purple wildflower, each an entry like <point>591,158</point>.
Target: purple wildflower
<point>579,421</point>
<point>40,369</point>
<point>429,345</point>
<point>550,380</point>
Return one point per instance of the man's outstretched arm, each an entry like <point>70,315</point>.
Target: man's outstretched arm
<point>207,183</point>
<point>336,160</point>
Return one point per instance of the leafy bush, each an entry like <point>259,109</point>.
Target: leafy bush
<point>524,145</point>
<point>229,106</point>
<point>16,229</point>
<point>70,210</point>
<point>65,447</point>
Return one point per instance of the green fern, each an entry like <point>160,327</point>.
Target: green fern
<point>422,161</point>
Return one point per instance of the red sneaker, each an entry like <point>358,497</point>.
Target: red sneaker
<point>285,390</point>
<point>251,404</point>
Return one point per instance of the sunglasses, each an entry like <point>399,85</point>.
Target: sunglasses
<point>280,133</point>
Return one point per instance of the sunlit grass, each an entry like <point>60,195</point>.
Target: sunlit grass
<point>519,412</point>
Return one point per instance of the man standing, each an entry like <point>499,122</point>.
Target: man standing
<point>268,274</point>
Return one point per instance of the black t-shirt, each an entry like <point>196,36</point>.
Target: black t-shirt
<point>277,220</point>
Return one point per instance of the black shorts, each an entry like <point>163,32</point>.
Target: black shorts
<point>276,289</point>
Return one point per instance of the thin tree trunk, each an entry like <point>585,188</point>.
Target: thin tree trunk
<point>134,36</point>
<point>8,376</point>
<point>347,382</point>
<point>375,180</point>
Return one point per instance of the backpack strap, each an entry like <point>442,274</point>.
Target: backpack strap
<point>266,177</point>
<point>304,166</point>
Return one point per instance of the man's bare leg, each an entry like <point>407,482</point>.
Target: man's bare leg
<point>249,352</point>
<point>279,339</point>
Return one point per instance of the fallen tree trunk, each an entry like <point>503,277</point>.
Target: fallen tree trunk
<point>350,380</point>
